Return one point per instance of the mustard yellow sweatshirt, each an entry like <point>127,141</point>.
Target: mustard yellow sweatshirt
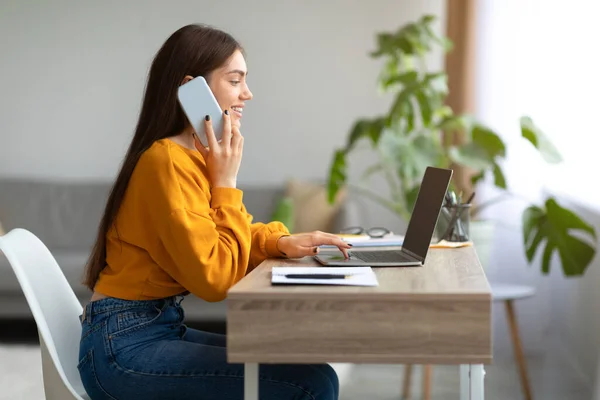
<point>174,233</point>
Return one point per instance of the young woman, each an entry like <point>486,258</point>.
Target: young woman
<point>175,224</point>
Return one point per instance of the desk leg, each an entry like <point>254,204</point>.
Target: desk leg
<point>250,381</point>
<point>471,382</point>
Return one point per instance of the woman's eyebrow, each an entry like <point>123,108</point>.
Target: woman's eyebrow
<point>237,71</point>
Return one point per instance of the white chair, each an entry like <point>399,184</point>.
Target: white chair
<point>55,309</point>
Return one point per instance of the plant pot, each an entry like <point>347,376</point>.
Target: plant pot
<point>482,234</point>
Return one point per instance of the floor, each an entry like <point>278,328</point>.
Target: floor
<point>20,376</point>
<point>548,381</point>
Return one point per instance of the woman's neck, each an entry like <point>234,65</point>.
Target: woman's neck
<point>185,139</point>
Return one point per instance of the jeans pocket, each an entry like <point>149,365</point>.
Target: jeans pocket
<point>133,320</point>
<point>89,379</point>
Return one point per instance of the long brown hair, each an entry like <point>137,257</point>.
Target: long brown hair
<point>194,50</point>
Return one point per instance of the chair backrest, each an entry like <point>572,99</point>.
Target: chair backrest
<point>51,299</point>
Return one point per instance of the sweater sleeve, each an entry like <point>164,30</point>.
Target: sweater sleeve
<point>264,240</point>
<point>203,236</point>
<point>209,246</point>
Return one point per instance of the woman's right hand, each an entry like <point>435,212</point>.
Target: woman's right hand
<point>222,158</point>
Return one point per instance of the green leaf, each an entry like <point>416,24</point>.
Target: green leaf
<point>436,82</point>
<point>554,225</point>
<point>403,109</point>
<point>442,113</point>
<point>443,41</point>
<point>427,19</point>
<point>546,258</point>
<point>405,45</point>
<point>499,179</point>
<point>337,175</point>
<point>385,43</point>
<point>567,219</point>
<point>540,141</point>
<point>365,128</point>
<point>471,155</point>
<point>478,177</point>
<point>452,123</point>
<point>410,116</point>
<point>406,79</point>
<point>489,141</point>
<point>416,35</point>
<point>357,132</point>
<point>531,236</point>
<point>425,107</point>
<point>409,156</point>
<point>376,129</point>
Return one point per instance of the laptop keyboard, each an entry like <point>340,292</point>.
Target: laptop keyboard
<point>384,256</point>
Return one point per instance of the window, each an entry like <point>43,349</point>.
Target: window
<point>541,58</point>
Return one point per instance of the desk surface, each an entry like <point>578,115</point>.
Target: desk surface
<point>439,314</point>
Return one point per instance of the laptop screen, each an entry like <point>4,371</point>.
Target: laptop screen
<point>426,211</point>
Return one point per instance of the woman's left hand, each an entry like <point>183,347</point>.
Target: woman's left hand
<point>307,244</point>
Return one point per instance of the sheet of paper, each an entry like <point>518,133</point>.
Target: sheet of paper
<point>354,276</point>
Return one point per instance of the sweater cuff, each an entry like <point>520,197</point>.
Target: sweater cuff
<point>271,244</point>
<point>223,196</point>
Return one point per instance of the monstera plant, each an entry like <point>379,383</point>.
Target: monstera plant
<point>420,129</point>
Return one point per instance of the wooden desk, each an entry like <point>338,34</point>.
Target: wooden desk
<point>436,314</point>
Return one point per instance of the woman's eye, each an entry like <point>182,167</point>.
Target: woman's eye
<point>234,82</point>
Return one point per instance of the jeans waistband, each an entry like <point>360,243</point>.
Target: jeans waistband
<point>110,304</point>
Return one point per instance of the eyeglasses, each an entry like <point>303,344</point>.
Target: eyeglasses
<point>375,232</point>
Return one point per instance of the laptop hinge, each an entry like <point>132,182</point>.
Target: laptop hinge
<point>413,255</point>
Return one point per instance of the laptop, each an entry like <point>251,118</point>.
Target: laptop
<point>418,234</point>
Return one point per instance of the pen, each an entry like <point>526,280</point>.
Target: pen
<point>317,276</point>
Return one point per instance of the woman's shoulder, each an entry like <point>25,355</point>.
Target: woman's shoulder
<point>164,153</point>
<point>168,163</point>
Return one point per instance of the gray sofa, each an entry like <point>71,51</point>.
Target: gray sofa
<point>65,216</point>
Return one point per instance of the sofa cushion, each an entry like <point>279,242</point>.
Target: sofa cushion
<point>64,215</point>
<point>312,211</point>
<point>260,201</point>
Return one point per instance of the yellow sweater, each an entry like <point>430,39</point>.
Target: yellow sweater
<point>174,233</point>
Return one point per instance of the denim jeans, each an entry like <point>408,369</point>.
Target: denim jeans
<point>142,350</point>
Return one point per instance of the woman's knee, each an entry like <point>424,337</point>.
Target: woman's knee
<point>328,371</point>
<point>303,381</point>
<point>324,383</point>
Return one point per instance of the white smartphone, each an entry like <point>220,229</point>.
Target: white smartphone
<point>198,101</point>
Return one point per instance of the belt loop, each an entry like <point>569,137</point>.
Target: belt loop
<point>83,314</point>
<point>88,314</point>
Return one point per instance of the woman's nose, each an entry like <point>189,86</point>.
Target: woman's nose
<point>247,94</point>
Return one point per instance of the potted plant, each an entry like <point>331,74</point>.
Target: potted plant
<point>419,129</point>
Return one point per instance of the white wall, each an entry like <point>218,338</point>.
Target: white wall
<point>73,73</point>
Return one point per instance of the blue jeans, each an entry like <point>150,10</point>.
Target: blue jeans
<point>142,350</point>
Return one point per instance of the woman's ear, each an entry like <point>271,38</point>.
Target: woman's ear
<point>187,79</point>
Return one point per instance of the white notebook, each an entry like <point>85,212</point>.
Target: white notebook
<point>344,276</point>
